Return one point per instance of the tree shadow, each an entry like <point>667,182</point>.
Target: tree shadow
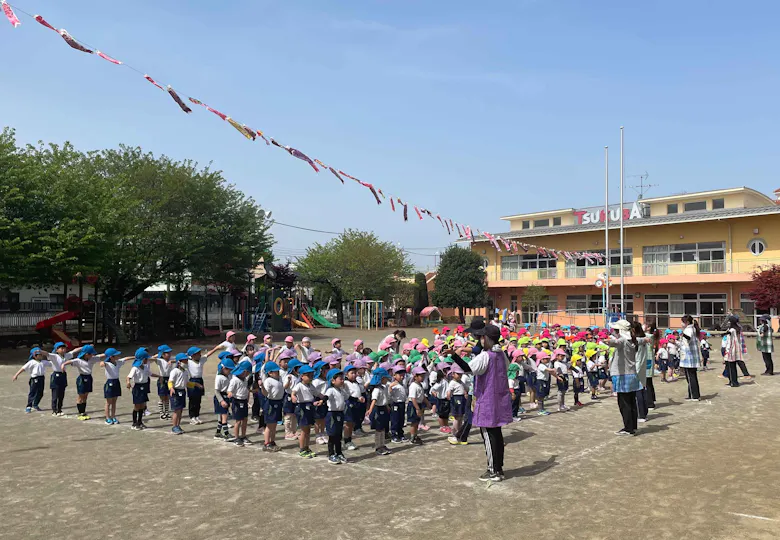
<point>538,467</point>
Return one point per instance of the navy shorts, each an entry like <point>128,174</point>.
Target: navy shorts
<point>531,380</point>
<point>219,409</point>
<point>84,384</point>
<point>602,374</point>
<point>380,418</point>
<point>578,385</point>
<point>178,399</point>
<point>162,387</point>
<point>542,388</point>
<point>334,423</point>
<point>240,408</point>
<point>563,386</point>
<point>443,408</point>
<point>593,379</point>
<point>58,379</point>
<point>352,410</point>
<point>288,407</point>
<point>112,389</point>
<point>304,413</point>
<point>433,401</point>
<point>140,393</point>
<point>321,411</point>
<point>272,411</point>
<point>458,405</point>
<point>195,391</point>
<point>411,414</point>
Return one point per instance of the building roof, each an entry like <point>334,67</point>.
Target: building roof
<point>711,215</point>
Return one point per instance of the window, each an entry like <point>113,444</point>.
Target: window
<point>671,208</point>
<point>509,267</point>
<point>513,303</point>
<point>526,224</point>
<point>541,223</point>
<point>628,303</point>
<point>695,206</point>
<point>757,246</point>
<point>717,204</point>
<point>577,302</point>
<point>556,222</point>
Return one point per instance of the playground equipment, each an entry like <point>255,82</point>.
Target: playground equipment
<point>300,324</point>
<point>319,319</point>
<point>55,334</point>
<point>430,316</point>
<point>369,314</point>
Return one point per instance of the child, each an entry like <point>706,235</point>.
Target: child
<point>529,368</point>
<point>36,368</point>
<point>258,400</point>
<point>320,384</point>
<point>417,402</point>
<point>456,395</point>
<point>379,411</point>
<point>662,357</point>
<point>439,392</point>
<point>59,379</point>
<point>86,359</point>
<point>543,372</point>
<point>674,358</point>
<point>398,396</point>
<point>352,412</point>
<point>337,396</point>
<point>363,378</point>
<point>512,372</point>
<point>195,392</point>
<point>112,388</point>
<point>238,392</point>
<point>165,364</point>
<point>601,369</point>
<point>705,350</point>
<point>178,382</point>
<point>138,380</point>
<point>562,376</point>
<point>228,345</point>
<point>289,379</point>
<point>273,390</point>
<point>578,378</point>
<point>221,399</point>
<point>303,398</point>
<point>336,346</point>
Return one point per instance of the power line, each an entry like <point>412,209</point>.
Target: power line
<point>303,228</point>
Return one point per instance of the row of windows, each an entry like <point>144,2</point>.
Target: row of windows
<point>695,206</point>
<point>538,223</point>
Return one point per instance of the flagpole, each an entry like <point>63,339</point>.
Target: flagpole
<point>606,232</point>
<point>622,274</point>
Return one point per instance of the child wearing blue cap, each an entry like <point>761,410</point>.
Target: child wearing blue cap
<point>238,392</point>
<point>289,373</point>
<point>58,381</point>
<point>178,382</point>
<point>36,368</point>
<point>112,388</point>
<point>138,380</point>
<point>273,392</point>
<point>354,413</point>
<point>87,357</point>
<point>379,411</point>
<point>165,362</point>
<point>221,399</point>
<point>320,384</point>
<point>303,397</point>
<point>337,396</point>
<point>195,369</point>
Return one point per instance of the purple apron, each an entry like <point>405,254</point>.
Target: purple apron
<point>493,407</point>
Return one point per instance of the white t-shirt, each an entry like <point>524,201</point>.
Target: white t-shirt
<point>353,388</point>
<point>591,366</point>
<point>36,368</point>
<point>416,393</point>
<point>304,393</point>
<point>663,354</point>
<point>238,388</point>
<point>457,388</point>
<point>672,348</point>
<point>84,367</point>
<point>398,393</point>
<point>221,384</point>
<point>541,372</point>
<point>274,388</point>
<point>57,361</point>
<point>138,375</point>
<point>337,398</point>
<point>196,368</point>
<point>576,372</point>
<point>380,395</point>
<point>319,387</point>
<point>165,366</point>
<point>561,367</point>
<point>439,390</point>
<point>178,378</point>
<point>112,370</point>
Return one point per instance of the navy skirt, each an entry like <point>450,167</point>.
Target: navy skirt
<point>380,418</point>
<point>162,386</point>
<point>334,423</point>
<point>195,391</point>
<point>178,399</point>
<point>578,385</point>
<point>58,379</point>
<point>218,408</point>
<point>140,393</point>
<point>240,408</point>
<point>321,411</point>
<point>542,388</point>
<point>304,412</point>
<point>84,384</point>
<point>272,411</point>
<point>112,389</point>
<point>352,410</point>
<point>288,407</point>
<point>411,414</point>
<point>443,408</point>
<point>458,404</point>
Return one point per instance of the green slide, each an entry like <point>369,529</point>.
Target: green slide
<point>319,319</point>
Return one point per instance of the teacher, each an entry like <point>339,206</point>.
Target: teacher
<point>493,406</point>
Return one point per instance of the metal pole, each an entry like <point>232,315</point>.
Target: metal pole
<point>606,231</point>
<point>622,275</point>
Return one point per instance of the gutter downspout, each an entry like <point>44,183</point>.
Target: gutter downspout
<point>731,265</point>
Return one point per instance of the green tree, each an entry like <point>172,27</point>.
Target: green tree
<point>460,281</point>
<point>420,293</point>
<point>354,265</point>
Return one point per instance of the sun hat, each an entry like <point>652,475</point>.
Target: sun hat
<point>58,345</point>
<point>286,353</point>
<point>192,351</point>
<point>34,351</point>
<point>250,337</point>
<point>306,370</point>
<point>378,375</point>
<point>110,352</point>
<point>542,355</point>
<point>357,343</point>
<point>229,334</point>
<point>141,353</point>
<point>331,374</point>
<point>289,339</point>
<point>334,360</point>
<point>419,370</point>
<point>227,363</point>
<point>271,367</point>
<point>294,363</point>
<point>556,352</point>
<point>313,357</point>
<point>88,349</point>
<point>162,349</point>
<point>334,341</point>
<point>455,368</point>
<point>399,369</point>
<point>244,365</point>
<point>512,371</point>
<point>182,357</point>
<point>305,339</point>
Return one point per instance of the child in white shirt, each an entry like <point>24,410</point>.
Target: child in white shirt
<point>398,394</point>
<point>36,368</point>
<point>379,411</point>
<point>238,392</point>
<point>337,396</point>
<point>456,395</point>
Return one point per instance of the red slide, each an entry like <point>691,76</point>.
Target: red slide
<point>58,318</point>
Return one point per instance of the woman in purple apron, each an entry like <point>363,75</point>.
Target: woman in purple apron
<point>493,405</point>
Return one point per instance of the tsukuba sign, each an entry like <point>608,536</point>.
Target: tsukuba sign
<point>585,217</point>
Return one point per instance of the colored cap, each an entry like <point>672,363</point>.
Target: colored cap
<point>271,367</point>
<point>243,366</point>
<point>357,343</point>
<point>227,363</point>
<point>182,357</point>
<point>287,353</point>
<point>455,368</point>
<point>349,367</point>
<point>306,370</point>
<point>110,352</point>
<point>87,349</point>
<point>332,373</point>
<point>378,375</point>
<point>192,351</point>
<point>288,339</point>
<point>294,363</point>
<point>557,352</point>
<point>162,349</point>
<point>34,351</point>
<point>314,357</point>
<point>399,369</point>
<point>267,336</point>
<point>58,345</point>
<point>419,370</point>
<point>141,354</point>
<point>250,337</point>
<point>230,334</point>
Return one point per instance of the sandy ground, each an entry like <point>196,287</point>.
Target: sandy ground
<point>697,470</point>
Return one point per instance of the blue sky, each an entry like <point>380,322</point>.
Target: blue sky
<point>441,103</point>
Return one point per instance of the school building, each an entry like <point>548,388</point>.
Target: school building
<point>692,253</point>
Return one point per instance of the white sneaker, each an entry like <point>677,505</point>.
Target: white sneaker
<point>193,421</point>
<point>198,420</point>
<point>641,420</point>
<point>147,413</point>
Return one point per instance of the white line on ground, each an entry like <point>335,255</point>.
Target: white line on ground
<point>752,516</point>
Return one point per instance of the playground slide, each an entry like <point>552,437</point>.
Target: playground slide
<point>306,319</point>
<point>322,321</point>
<point>59,335</point>
<point>58,318</point>
<point>300,324</point>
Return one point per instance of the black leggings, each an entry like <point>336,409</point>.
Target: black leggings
<point>628,410</point>
<point>693,382</point>
<point>650,397</point>
<point>334,445</point>
<point>494,448</point>
<point>732,369</point>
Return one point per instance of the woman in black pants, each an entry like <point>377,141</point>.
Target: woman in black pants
<point>624,373</point>
<point>733,350</point>
<point>691,356</point>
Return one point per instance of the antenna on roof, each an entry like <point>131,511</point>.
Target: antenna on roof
<point>642,188</point>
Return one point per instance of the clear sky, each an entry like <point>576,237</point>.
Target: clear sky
<point>473,109</point>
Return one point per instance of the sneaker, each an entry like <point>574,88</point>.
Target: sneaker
<point>322,440</point>
<point>424,427</point>
<point>641,420</point>
<point>396,440</point>
<point>452,440</point>
<point>521,411</point>
<point>651,408</point>
<point>562,409</point>
<point>313,454</point>
<point>593,397</point>
<point>268,448</point>
<point>228,437</point>
<point>275,448</point>
<point>198,420</point>
<point>87,417</point>
<point>305,454</point>
<point>290,437</point>
<point>578,404</point>
<point>239,443</point>
<point>109,422</point>
<point>147,413</point>
<point>192,421</point>
<point>623,432</point>
<point>28,409</point>
<point>543,413</point>
<point>350,446</point>
<point>489,476</point>
<point>334,460</point>
<point>134,427</point>
<point>384,451</point>
<point>53,413</point>
<point>37,408</point>
<point>516,419</point>
<point>248,441</point>
<point>80,417</point>
<point>445,430</point>
<point>342,459</point>
<point>417,441</point>
<point>176,430</point>
<point>60,413</point>
<point>142,426</point>
<point>218,436</point>
<point>115,420</point>
<point>464,443</point>
<point>255,418</point>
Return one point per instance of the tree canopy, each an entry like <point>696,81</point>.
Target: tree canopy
<point>128,217</point>
<point>765,291</point>
<point>460,280</point>
<point>354,265</point>
<point>420,293</point>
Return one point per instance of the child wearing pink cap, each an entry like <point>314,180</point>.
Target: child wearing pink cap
<point>456,394</point>
<point>562,377</point>
<point>227,345</point>
<point>417,403</point>
<point>335,343</point>
<point>289,342</point>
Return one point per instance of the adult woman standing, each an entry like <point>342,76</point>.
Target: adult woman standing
<point>644,372</point>
<point>734,352</point>
<point>690,359</point>
<point>623,371</point>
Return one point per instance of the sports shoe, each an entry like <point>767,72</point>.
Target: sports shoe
<point>37,408</point>
<point>147,413</point>
<point>516,419</point>
<point>424,427</point>
<point>80,417</point>
<point>417,441</point>
<point>248,441</point>
<point>322,440</point>
<point>290,437</point>
<point>109,422</point>
<point>333,460</point>
<point>342,458</point>
<point>384,451</point>
<point>623,432</point>
<point>192,421</point>
<point>198,420</point>
<point>452,440</point>
<point>60,413</point>
<point>54,413</point>
<point>489,476</point>
<point>521,410</point>
<point>445,430</point>
<point>275,448</point>
<point>239,443</point>
<point>218,436</point>
<point>350,446</point>
<point>176,430</point>
<point>578,404</point>
<point>543,413</point>
<point>641,420</point>
<point>305,454</point>
<point>28,409</point>
<point>87,417</point>
<point>268,448</point>
<point>134,427</point>
<point>142,426</point>
<point>228,437</point>
<point>463,443</point>
<point>313,454</point>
